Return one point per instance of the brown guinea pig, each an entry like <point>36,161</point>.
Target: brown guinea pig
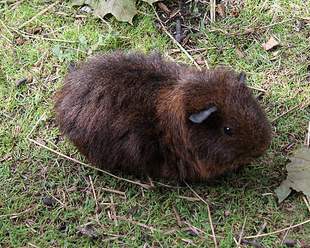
<point>144,114</point>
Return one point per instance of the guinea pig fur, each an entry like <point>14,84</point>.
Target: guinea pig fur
<point>143,114</point>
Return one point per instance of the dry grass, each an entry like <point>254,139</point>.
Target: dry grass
<point>93,208</point>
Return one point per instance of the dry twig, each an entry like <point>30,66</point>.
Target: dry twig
<point>177,43</point>
<point>189,198</point>
<point>290,110</point>
<point>94,192</point>
<point>209,213</point>
<point>252,30</point>
<point>140,224</point>
<point>146,186</point>
<point>114,191</point>
<point>212,10</point>
<point>40,13</point>
<point>284,237</point>
<point>279,231</point>
<point>15,215</point>
<point>308,138</point>
<point>177,216</point>
<point>114,217</point>
<point>242,231</point>
<point>307,203</point>
<point>14,6</point>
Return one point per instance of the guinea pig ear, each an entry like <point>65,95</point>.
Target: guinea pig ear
<point>241,77</point>
<point>202,115</point>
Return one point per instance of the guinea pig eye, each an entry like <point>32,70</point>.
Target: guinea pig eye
<point>228,132</point>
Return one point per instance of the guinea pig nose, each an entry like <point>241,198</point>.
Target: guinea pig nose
<point>228,132</point>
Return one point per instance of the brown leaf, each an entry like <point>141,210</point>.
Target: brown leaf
<point>240,54</point>
<point>36,30</point>
<point>272,43</point>
<point>20,41</point>
<point>88,231</point>
<point>298,177</point>
<point>20,81</point>
<point>164,7</point>
<point>222,10</point>
<point>235,13</point>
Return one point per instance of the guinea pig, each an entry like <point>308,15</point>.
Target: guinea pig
<point>147,115</point>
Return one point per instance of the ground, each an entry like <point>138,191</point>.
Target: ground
<point>48,200</point>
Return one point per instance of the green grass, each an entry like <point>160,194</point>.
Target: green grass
<point>29,173</point>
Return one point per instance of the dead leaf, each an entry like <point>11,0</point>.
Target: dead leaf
<point>240,54</point>
<point>222,10</point>
<point>298,177</point>
<point>235,13</point>
<point>123,10</point>
<point>164,7</point>
<point>20,41</point>
<point>20,81</point>
<point>88,231</point>
<point>36,30</point>
<point>272,43</point>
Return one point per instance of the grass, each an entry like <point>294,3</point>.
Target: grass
<point>29,173</point>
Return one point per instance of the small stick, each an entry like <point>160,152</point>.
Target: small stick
<point>307,203</point>
<point>308,140</point>
<point>244,241</point>
<point>146,186</point>
<point>35,125</point>
<point>40,13</point>
<point>14,215</point>
<point>94,192</point>
<point>263,6</point>
<point>108,239</point>
<point>279,231</point>
<point>177,43</point>
<point>194,228</point>
<point>209,214</point>
<point>212,10</point>
<point>15,6</point>
<point>285,235</point>
<point>188,198</point>
<point>304,17</point>
<point>252,30</point>
<point>62,204</point>
<point>113,211</point>
<point>207,64</point>
<point>151,181</point>
<point>285,113</point>
<point>236,241</point>
<point>262,228</point>
<point>114,191</point>
<point>177,216</point>
<point>50,39</point>
<point>169,186</point>
<point>105,22</point>
<point>32,245</point>
<point>140,224</point>
<point>189,242</point>
<point>44,38</point>
<point>40,60</point>
<point>242,231</point>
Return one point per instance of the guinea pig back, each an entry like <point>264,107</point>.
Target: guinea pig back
<point>144,114</point>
